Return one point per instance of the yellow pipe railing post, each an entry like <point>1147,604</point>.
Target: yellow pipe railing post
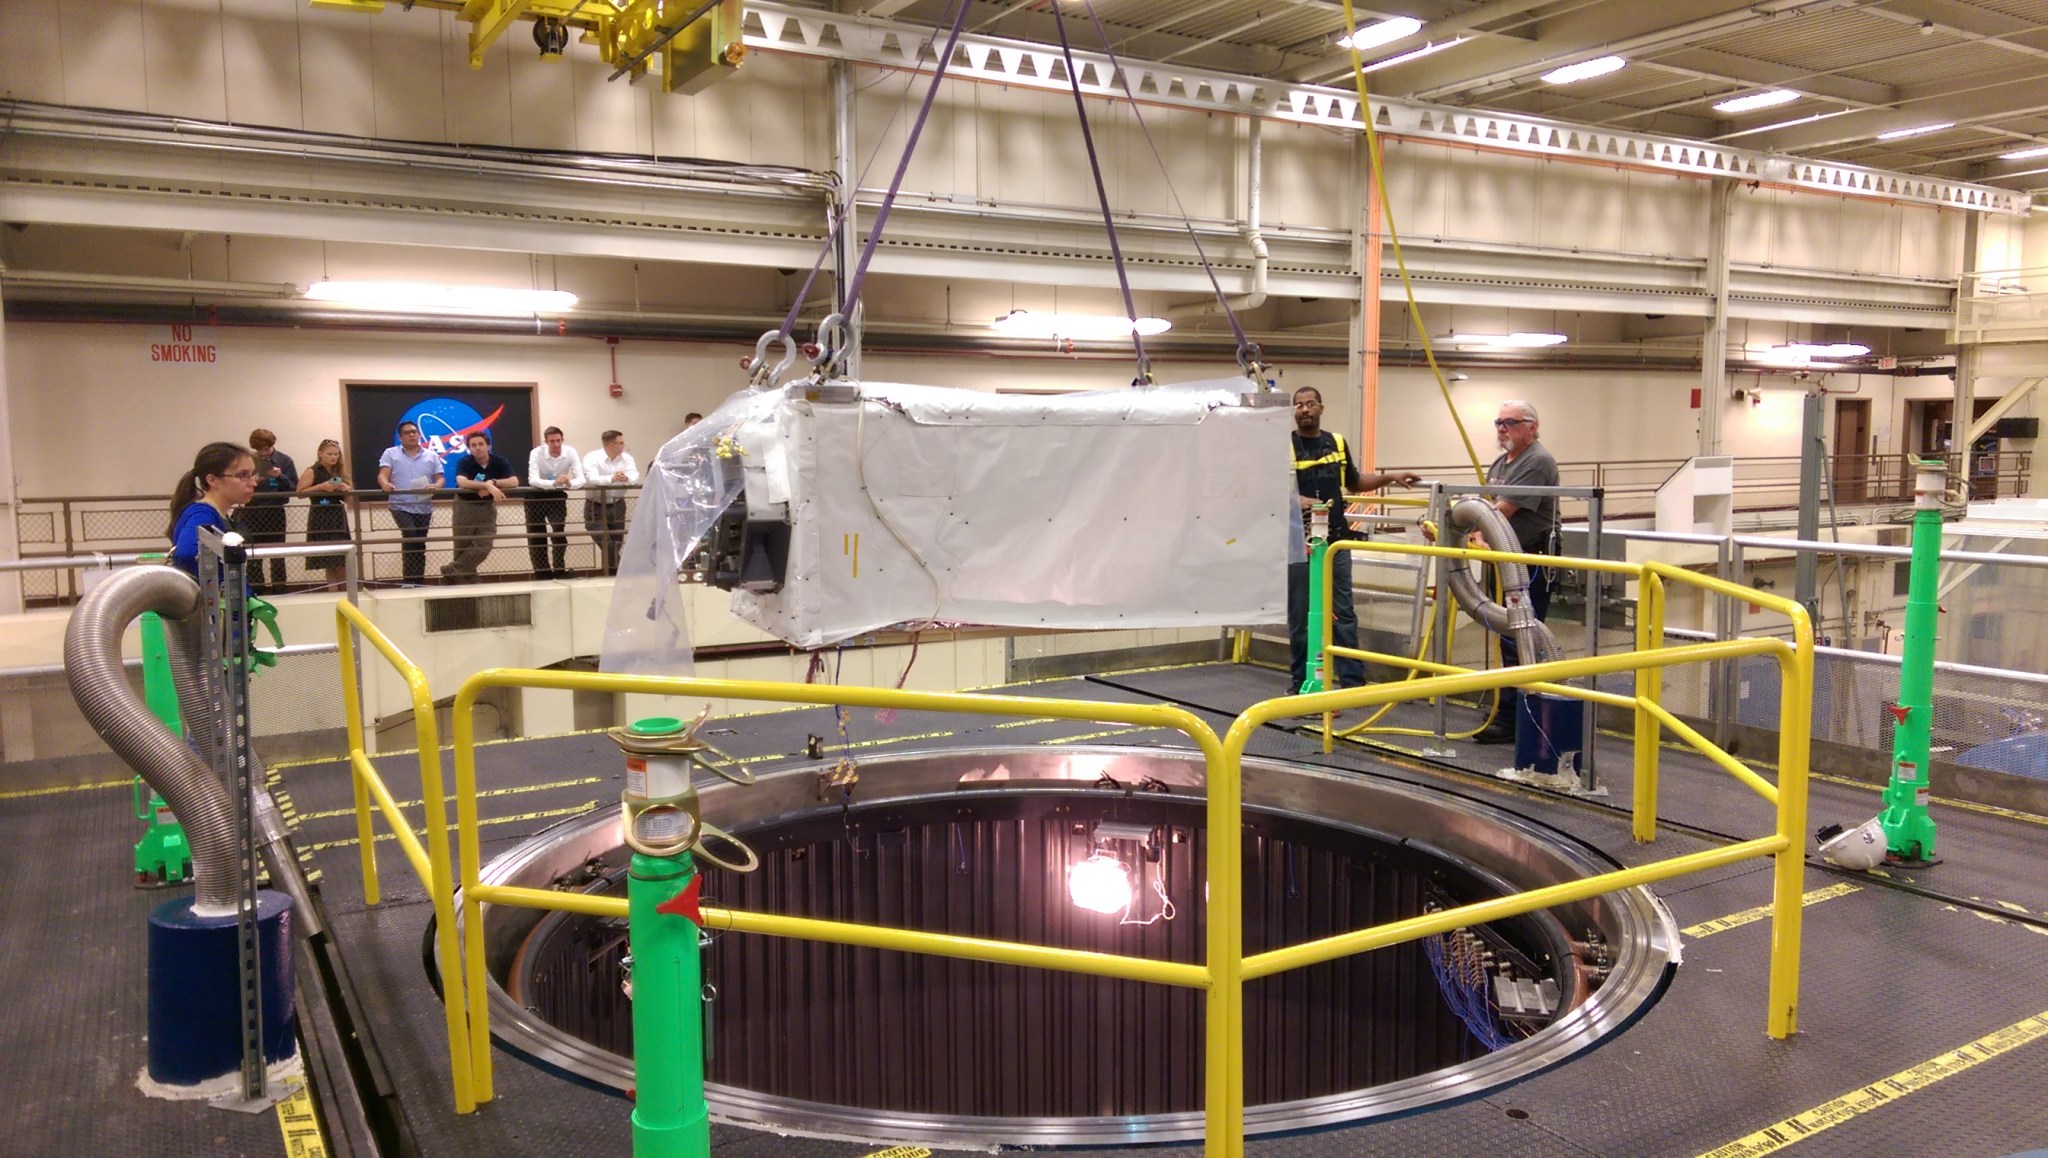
<point>352,711</point>
<point>1224,867</point>
<point>1795,727</point>
<point>1649,691</point>
<point>439,885</point>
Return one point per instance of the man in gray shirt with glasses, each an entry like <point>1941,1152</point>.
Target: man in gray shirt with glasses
<point>1526,461</point>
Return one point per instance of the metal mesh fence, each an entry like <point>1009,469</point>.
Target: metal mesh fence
<point>296,711</point>
<point>82,526</point>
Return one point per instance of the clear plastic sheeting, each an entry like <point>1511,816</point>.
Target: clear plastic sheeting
<point>684,490</point>
<point>1148,508</point>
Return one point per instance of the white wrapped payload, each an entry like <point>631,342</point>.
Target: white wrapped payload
<point>854,507</point>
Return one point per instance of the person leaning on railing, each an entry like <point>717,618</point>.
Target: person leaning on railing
<point>483,481</point>
<point>410,473</point>
<point>604,504</point>
<point>263,518</point>
<point>326,489</point>
<point>551,468</point>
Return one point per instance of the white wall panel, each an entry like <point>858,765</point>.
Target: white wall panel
<point>1581,206</point>
<point>479,100</point>
<point>408,89</point>
<point>102,48</point>
<point>1488,197</point>
<point>1308,179</point>
<point>336,71</point>
<point>260,39</point>
<point>1417,188</point>
<point>1869,236</point>
<point>542,101</point>
<point>608,113</point>
<point>1666,215</point>
<point>182,60</point>
<point>33,76</point>
<point>1806,232</point>
<point>1931,242</point>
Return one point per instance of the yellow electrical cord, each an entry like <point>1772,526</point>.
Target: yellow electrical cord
<point>1379,181</point>
<point>1372,148</point>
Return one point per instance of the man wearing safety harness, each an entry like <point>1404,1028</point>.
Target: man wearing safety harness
<point>1322,471</point>
<point>1534,518</point>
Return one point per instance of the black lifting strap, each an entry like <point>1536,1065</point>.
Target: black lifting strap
<point>1116,253</point>
<point>1247,350</point>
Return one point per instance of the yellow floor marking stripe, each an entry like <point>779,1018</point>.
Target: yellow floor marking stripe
<point>1097,735</point>
<point>1774,1138</point>
<point>902,1152</point>
<point>1024,723</point>
<point>421,832</point>
<point>1763,912</point>
<point>330,813</point>
<point>301,1127</point>
<point>20,793</point>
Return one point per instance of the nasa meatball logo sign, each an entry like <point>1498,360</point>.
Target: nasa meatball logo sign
<point>447,414</point>
<point>446,424</point>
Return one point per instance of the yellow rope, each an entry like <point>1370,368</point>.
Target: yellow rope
<point>1372,147</point>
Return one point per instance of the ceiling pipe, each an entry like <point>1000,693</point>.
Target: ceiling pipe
<point>897,337</point>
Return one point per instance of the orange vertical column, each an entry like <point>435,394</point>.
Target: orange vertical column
<point>1369,328</point>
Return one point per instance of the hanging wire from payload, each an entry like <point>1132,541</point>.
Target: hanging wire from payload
<point>1116,253</point>
<point>1379,182</point>
<point>1248,353</point>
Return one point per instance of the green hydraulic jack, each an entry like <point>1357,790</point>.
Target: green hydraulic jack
<point>1908,829</point>
<point>662,824</point>
<point>161,857</point>
<point>1318,546</point>
<point>670,1116</point>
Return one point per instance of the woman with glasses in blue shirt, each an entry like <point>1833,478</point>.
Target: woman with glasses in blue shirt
<point>222,478</point>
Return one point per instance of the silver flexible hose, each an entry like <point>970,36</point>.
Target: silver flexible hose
<point>92,657</point>
<point>1513,615</point>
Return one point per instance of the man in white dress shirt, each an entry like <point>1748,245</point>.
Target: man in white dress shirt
<point>552,469</point>
<point>606,472</point>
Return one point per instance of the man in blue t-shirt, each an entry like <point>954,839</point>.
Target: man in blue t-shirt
<point>1322,471</point>
<point>410,473</point>
<point>483,480</point>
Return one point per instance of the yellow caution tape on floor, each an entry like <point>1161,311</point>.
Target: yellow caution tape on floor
<point>301,1126</point>
<point>902,1152</point>
<point>1799,1127</point>
<point>1737,920</point>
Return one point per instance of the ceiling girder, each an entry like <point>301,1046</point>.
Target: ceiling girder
<point>782,28</point>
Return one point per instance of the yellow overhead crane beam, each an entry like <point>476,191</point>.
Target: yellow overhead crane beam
<point>697,42</point>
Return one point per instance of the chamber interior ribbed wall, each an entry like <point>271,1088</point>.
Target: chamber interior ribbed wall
<point>889,1031</point>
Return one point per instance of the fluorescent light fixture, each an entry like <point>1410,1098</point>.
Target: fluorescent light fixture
<point>1385,32</point>
<point>1916,130</point>
<point>1100,884</point>
<point>465,299</point>
<point>1521,340</point>
<point>1584,70</point>
<point>1416,53</point>
<point>2025,154</point>
<point>1757,100</point>
<point>1800,353</point>
<point>1075,327</point>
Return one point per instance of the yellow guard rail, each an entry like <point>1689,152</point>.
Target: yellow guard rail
<point>1226,968</point>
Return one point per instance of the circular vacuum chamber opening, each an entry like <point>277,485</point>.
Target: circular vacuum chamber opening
<point>1102,850</point>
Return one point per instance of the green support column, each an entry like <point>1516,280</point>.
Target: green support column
<point>161,854</point>
<point>1318,546</point>
<point>1909,830</point>
<point>670,1117</point>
